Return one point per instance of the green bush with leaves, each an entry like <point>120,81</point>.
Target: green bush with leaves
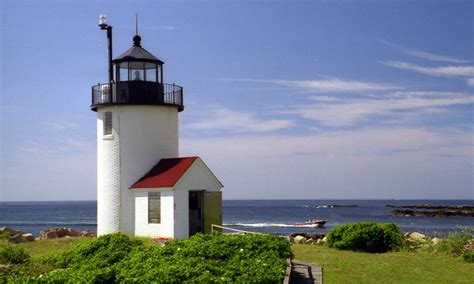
<point>4,236</point>
<point>454,244</point>
<point>94,260</point>
<point>202,258</point>
<point>11,254</point>
<point>468,256</point>
<point>366,237</point>
<point>216,257</point>
<point>103,251</point>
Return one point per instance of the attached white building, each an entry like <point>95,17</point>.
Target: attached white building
<point>143,187</point>
<point>177,198</point>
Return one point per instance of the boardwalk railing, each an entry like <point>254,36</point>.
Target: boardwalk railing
<point>235,230</point>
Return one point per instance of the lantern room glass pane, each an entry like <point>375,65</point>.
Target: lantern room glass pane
<point>136,74</point>
<point>123,72</point>
<point>136,71</point>
<point>150,72</point>
<point>136,65</point>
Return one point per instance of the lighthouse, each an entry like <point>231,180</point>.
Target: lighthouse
<point>143,187</point>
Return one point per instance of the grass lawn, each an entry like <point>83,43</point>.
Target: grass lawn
<point>40,251</point>
<point>41,248</point>
<point>339,266</point>
<point>394,267</point>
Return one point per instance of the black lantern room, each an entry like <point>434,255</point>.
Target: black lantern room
<point>137,64</point>
<point>136,79</point>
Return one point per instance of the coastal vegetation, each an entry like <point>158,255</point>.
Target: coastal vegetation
<point>244,258</point>
<point>11,254</point>
<point>418,266</point>
<point>409,258</point>
<point>366,236</point>
<point>118,258</point>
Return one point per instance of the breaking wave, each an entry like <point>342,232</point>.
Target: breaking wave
<point>260,225</point>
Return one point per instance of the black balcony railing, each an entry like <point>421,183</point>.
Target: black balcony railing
<point>137,93</point>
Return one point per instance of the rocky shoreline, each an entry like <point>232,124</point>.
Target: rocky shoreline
<point>434,207</point>
<point>18,236</point>
<point>432,210</point>
<point>440,213</point>
<point>307,238</point>
<point>414,240</point>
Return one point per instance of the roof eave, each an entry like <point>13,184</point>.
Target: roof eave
<point>133,59</point>
<point>151,189</point>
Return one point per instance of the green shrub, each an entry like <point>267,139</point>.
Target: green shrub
<point>366,236</point>
<point>456,241</point>
<point>49,259</point>
<point>5,236</point>
<point>454,244</point>
<point>12,254</point>
<point>209,258</point>
<point>103,251</point>
<point>468,256</point>
<point>92,261</point>
<point>201,258</point>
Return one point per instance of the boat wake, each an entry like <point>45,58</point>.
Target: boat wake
<point>261,225</point>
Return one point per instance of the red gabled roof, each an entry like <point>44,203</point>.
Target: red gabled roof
<point>166,173</point>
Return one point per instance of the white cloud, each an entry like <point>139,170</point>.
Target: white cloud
<point>61,125</point>
<point>427,55</point>
<point>221,118</point>
<point>434,57</point>
<point>50,176</point>
<point>364,163</point>
<point>470,82</point>
<point>332,85</point>
<point>57,145</point>
<point>428,94</point>
<point>443,71</point>
<point>348,112</point>
<point>169,28</point>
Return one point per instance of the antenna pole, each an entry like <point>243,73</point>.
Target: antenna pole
<point>136,23</point>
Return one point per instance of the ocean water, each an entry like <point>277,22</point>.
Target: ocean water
<point>272,216</point>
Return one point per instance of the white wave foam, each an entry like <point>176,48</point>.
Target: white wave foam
<point>260,225</point>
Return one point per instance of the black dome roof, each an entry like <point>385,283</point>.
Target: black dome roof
<point>137,53</point>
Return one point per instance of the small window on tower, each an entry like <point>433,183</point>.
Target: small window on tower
<point>154,208</point>
<point>107,123</point>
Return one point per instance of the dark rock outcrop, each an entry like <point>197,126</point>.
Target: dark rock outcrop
<point>437,213</point>
<point>10,232</point>
<point>16,236</point>
<point>434,207</point>
<point>88,234</point>
<point>59,233</point>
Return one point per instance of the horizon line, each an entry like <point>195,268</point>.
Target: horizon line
<point>270,199</point>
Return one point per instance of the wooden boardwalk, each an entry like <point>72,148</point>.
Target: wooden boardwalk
<point>303,272</point>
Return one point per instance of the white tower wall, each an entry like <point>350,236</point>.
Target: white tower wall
<point>142,135</point>
<point>108,176</point>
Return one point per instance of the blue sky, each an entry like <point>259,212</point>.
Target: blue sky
<point>284,99</point>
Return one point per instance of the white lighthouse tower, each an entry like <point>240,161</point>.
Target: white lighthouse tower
<point>143,186</point>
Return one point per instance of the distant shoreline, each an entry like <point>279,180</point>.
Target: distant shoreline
<point>266,199</point>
